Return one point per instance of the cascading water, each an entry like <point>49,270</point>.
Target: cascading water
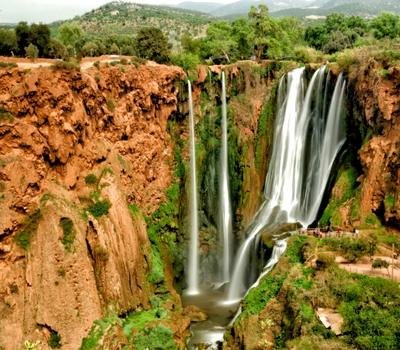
<point>307,142</point>
<point>225,215</point>
<point>193,258</point>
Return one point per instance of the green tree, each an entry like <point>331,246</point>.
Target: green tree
<point>219,41</point>
<point>40,37</point>
<point>265,30</point>
<point>387,25</point>
<point>31,51</point>
<point>90,49</point>
<point>243,35</point>
<point>316,36</point>
<point>151,44</point>
<point>56,49</point>
<point>23,35</point>
<point>70,33</point>
<point>190,44</point>
<point>8,42</point>
<point>337,41</point>
<point>114,49</point>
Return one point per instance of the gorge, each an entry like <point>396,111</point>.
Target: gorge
<point>109,174</point>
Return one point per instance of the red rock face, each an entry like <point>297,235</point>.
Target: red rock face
<point>380,155</point>
<point>56,127</point>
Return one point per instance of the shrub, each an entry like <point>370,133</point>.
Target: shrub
<point>188,61</point>
<point>347,58</point>
<point>257,298</point>
<point>97,331</point>
<point>306,313</point>
<point>137,61</point>
<point>91,179</point>
<point>54,340</point>
<point>110,104</point>
<point>159,337</point>
<point>379,263</point>
<point>8,65</point>
<point>29,227</point>
<point>351,248</point>
<point>139,320</point>
<point>66,65</point>
<point>389,201</point>
<point>294,250</point>
<point>31,51</point>
<point>5,115</point>
<point>68,233</point>
<point>134,210</point>
<point>307,55</point>
<point>156,274</point>
<point>99,208</point>
<point>324,260</point>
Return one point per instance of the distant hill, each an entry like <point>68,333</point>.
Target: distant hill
<point>372,6</point>
<point>364,8</point>
<point>126,18</point>
<point>205,7</point>
<point>241,7</point>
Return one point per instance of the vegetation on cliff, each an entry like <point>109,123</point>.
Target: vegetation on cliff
<point>282,312</point>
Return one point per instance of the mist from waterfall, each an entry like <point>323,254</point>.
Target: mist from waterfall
<point>307,139</point>
<point>193,253</point>
<point>225,214</point>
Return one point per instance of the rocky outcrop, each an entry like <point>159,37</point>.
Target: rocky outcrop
<point>376,90</point>
<point>61,264</point>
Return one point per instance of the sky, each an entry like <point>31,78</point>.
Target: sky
<point>46,11</point>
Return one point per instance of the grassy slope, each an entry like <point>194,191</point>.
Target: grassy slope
<point>281,311</point>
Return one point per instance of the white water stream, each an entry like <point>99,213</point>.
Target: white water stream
<point>193,254</point>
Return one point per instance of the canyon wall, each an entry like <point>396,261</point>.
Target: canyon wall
<point>93,175</point>
<point>75,150</point>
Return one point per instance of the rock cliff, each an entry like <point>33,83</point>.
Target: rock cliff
<point>75,149</point>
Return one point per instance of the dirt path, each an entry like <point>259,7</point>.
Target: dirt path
<point>364,267</point>
<point>85,63</point>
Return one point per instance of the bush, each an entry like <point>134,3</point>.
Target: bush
<point>29,227</point>
<point>67,65</point>
<point>188,61</point>
<point>307,55</point>
<point>159,337</point>
<point>325,260</point>
<point>31,51</point>
<point>139,320</point>
<point>97,331</point>
<point>5,115</point>
<point>257,298</point>
<point>347,58</point>
<point>389,201</point>
<point>99,208</point>
<point>351,248</point>
<point>137,61</point>
<point>8,65</point>
<point>379,263</point>
<point>156,274</point>
<point>54,340</point>
<point>151,44</point>
<point>68,233</point>
<point>91,179</point>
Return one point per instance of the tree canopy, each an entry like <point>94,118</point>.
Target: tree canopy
<point>151,44</point>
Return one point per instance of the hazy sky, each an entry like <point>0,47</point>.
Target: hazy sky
<point>12,11</point>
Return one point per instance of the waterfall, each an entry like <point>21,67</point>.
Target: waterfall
<point>306,143</point>
<point>193,260</point>
<point>225,215</point>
